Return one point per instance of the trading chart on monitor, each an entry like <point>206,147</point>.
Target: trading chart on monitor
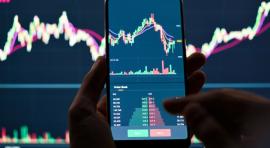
<point>234,40</point>
<point>46,47</point>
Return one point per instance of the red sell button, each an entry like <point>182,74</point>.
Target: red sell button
<point>160,132</point>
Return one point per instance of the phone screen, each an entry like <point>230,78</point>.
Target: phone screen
<point>146,66</point>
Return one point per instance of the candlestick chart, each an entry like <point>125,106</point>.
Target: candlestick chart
<point>41,31</point>
<point>167,40</point>
<point>221,39</point>
<point>45,54</point>
<point>36,116</point>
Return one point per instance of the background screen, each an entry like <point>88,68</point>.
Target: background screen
<point>37,87</point>
<point>146,67</point>
<point>46,47</point>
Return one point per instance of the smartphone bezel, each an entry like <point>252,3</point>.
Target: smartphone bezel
<point>168,142</point>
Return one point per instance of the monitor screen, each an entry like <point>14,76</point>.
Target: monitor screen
<point>46,47</point>
<point>233,36</point>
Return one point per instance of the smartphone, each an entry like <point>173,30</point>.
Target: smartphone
<point>146,57</point>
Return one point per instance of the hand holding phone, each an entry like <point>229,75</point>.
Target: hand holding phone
<point>87,116</point>
<point>96,132</point>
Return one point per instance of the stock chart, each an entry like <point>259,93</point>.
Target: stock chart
<point>46,47</point>
<point>146,66</point>
<point>236,45</point>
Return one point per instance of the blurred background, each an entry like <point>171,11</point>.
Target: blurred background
<point>40,73</point>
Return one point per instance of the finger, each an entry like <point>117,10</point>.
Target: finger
<point>102,106</point>
<point>225,109</point>
<point>206,128</point>
<point>176,105</point>
<point>94,81</point>
<point>92,86</point>
<point>212,101</point>
<point>195,82</point>
<point>194,62</point>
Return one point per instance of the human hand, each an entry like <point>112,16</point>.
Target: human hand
<point>195,80</point>
<point>88,117</point>
<point>88,127</point>
<point>225,118</point>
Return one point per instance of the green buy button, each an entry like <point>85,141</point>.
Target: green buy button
<point>138,133</point>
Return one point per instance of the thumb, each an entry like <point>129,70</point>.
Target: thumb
<point>86,99</point>
<point>93,83</point>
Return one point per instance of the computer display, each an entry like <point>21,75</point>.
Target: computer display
<point>46,47</point>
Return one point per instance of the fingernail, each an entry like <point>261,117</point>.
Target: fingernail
<point>99,58</point>
<point>97,62</point>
